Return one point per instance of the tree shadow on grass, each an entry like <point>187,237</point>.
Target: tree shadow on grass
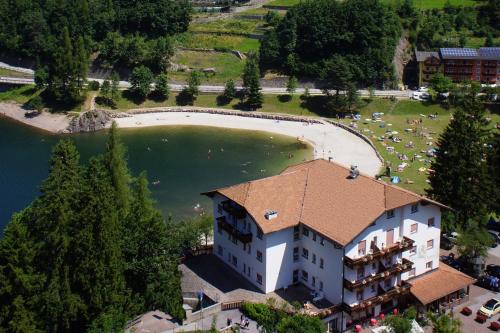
<point>134,98</point>
<point>223,100</point>
<point>184,98</point>
<point>284,98</point>
<point>157,97</point>
<point>29,92</point>
<point>317,105</point>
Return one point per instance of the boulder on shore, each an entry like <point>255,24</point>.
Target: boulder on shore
<point>89,121</point>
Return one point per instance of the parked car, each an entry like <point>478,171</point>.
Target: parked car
<point>496,239</point>
<point>489,282</point>
<point>446,243</point>
<point>451,261</point>
<point>423,89</point>
<point>493,224</point>
<point>490,308</point>
<point>493,270</point>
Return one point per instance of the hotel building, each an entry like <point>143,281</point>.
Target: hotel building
<point>358,243</point>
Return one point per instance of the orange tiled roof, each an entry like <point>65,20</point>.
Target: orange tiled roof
<point>436,284</point>
<point>320,195</point>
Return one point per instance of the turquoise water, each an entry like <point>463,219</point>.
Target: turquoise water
<point>182,161</point>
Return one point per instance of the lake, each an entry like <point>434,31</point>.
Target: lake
<point>182,161</point>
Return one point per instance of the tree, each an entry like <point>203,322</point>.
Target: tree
<point>445,323</point>
<point>460,178</point>
<point>300,324</point>
<point>494,170</point>
<point>115,82</point>
<point>229,90</point>
<point>440,83</point>
<point>191,91</point>
<point>251,82</point>
<point>162,51</point>
<point>36,103</point>
<point>161,86</point>
<point>338,75</point>
<point>41,77</point>
<point>399,323</point>
<point>489,40</point>
<point>106,90</point>
<point>474,241</point>
<point>81,63</point>
<point>352,97</point>
<point>141,80</point>
<point>291,85</point>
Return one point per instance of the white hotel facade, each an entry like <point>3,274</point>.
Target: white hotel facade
<point>355,241</point>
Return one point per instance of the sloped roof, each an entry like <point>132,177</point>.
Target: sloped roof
<point>424,55</point>
<point>458,53</point>
<point>489,53</point>
<point>440,282</point>
<point>320,195</point>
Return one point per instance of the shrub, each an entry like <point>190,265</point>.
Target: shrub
<point>94,85</point>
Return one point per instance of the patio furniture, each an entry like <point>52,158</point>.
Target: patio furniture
<point>466,311</point>
<point>481,318</point>
<point>494,326</point>
<point>358,328</point>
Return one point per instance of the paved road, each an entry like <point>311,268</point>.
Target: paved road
<point>400,94</point>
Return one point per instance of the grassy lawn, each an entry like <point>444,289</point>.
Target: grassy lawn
<point>233,26</point>
<point>283,3</point>
<point>19,94</point>
<point>11,73</point>
<point>431,4</point>
<point>214,41</point>
<point>227,65</point>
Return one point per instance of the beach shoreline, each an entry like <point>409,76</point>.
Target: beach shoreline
<point>328,141</point>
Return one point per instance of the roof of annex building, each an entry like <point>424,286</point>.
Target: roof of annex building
<point>438,283</point>
<point>458,53</point>
<point>424,55</point>
<point>322,196</point>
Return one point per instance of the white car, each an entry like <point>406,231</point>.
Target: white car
<point>420,96</point>
<point>423,89</point>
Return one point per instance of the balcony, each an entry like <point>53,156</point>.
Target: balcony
<point>230,208</point>
<point>398,247</point>
<point>383,274</point>
<point>489,64</point>
<point>382,297</point>
<point>244,237</point>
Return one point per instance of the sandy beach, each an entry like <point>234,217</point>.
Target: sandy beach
<point>54,123</point>
<point>328,141</point>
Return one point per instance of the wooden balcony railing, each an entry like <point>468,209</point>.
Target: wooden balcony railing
<point>401,246</point>
<point>390,294</point>
<point>238,212</point>
<point>245,237</point>
<point>405,266</point>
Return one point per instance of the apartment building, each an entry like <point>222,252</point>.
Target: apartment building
<point>357,242</point>
<point>460,64</point>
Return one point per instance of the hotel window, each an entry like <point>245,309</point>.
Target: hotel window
<point>390,214</point>
<point>321,263</point>
<point>296,233</point>
<point>413,250</point>
<point>305,253</point>
<point>235,261</point>
<point>359,295</point>
<point>428,265</point>
<point>430,244</point>
<point>322,241</point>
<point>305,276</point>
<point>320,285</point>
<point>219,229</point>
<point>388,283</point>
<point>259,234</point>
<point>219,208</point>
<point>235,240</point>
<point>362,248</point>
<point>295,254</point>
<point>220,251</point>
<point>314,281</point>
<point>249,248</point>
<point>295,276</point>
<point>259,278</point>
<point>361,273</point>
<point>305,231</point>
<point>430,222</point>
<point>373,288</point>
<point>412,272</point>
<point>314,259</point>
<point>414,208</point>
<point>374,265</point>
<point>314,236</point>
<point>244,246</point>
<point>259,256</point>
<point>413,228</point>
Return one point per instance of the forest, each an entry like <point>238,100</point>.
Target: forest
<point>92,251</point>
<point>315,36</point>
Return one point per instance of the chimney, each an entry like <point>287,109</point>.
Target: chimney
<point>354,173</point>
<point>271,214</point>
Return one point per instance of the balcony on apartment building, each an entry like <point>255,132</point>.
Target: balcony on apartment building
<point>233,209</point>
<point>459,63</point>
<point>492,64</point>
<point>382,274</point>
<point>242,236</point>
<point>431,70</point>
<point>377,253</point>
<point>383,296</point>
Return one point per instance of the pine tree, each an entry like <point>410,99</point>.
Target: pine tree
<point>460,177</point>
<point>115,82</point>
<point>161,86</point>
<point>81,64</point>
<point>116,163</point>
<point>251,83</point>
